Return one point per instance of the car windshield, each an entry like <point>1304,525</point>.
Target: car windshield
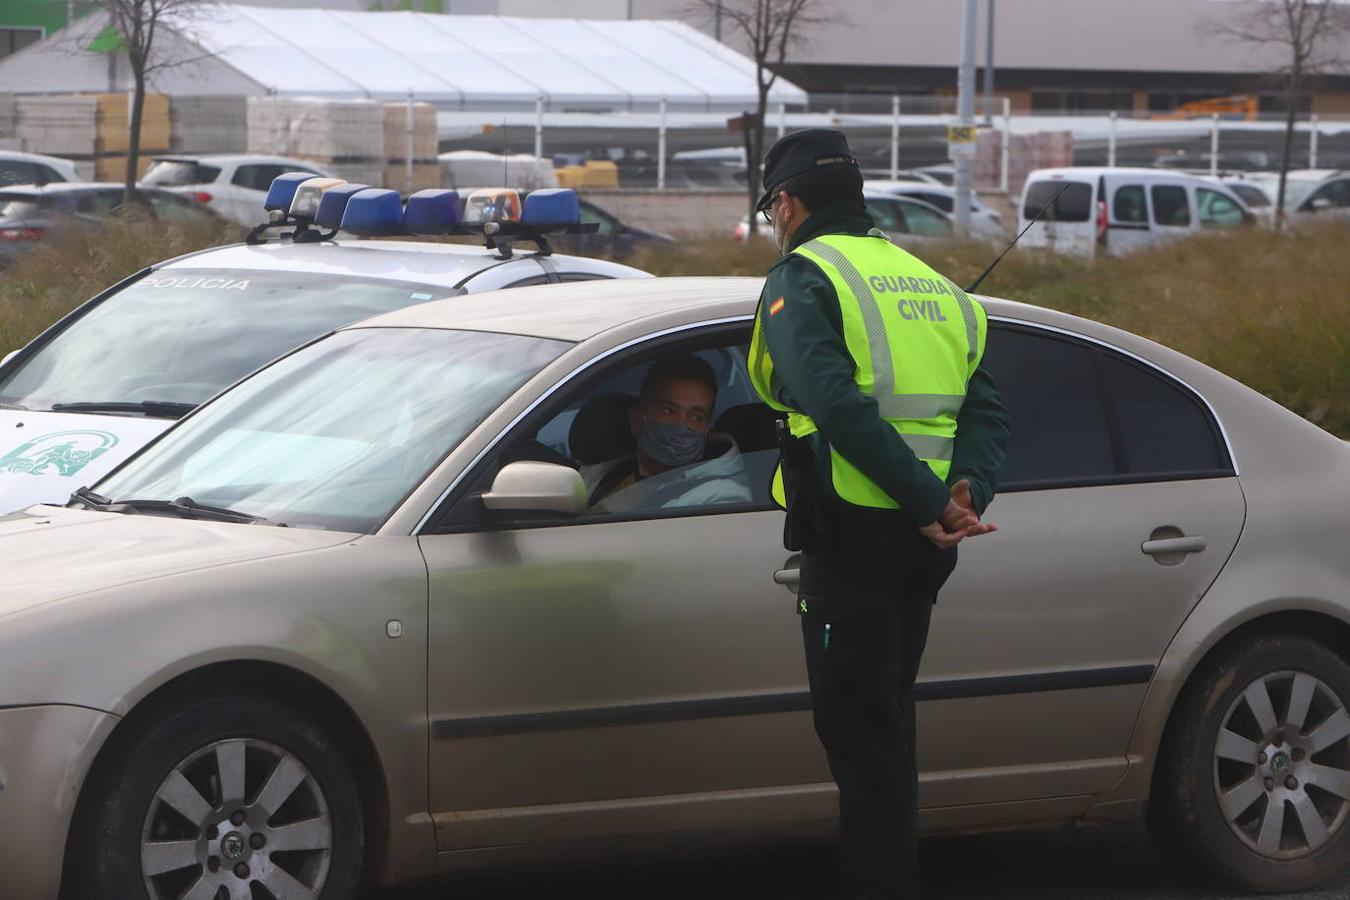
<point>179,336</point>
<point>1254,197</point>
<point>335,435</point>
<point>1296,190</point>
<point>179,172</point>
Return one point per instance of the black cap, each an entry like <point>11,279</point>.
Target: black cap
<point>800,152</point>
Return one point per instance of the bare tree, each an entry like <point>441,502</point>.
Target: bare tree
<point>140,26</point>
<point>768,29</point>
<point>1310,35</point>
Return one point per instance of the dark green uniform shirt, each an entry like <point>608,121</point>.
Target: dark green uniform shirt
<point>815,370</point>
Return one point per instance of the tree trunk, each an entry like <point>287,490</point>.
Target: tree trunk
<point>1291,97</point>
<point>751,181</point>
<point>134,139</point>
<point>755,151</point>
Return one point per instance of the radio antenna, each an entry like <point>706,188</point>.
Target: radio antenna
<point>978,281</point>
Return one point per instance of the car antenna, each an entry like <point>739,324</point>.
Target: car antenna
<point>975,285</point>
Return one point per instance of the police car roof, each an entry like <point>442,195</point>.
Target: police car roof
<point>421,262</point>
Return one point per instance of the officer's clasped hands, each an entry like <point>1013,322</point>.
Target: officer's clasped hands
<point>958,521</point>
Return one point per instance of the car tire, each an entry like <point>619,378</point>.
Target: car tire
<point>208,792</point>
<point>1237,765</point>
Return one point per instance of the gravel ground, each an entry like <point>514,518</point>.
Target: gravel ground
<point>1060,864</point>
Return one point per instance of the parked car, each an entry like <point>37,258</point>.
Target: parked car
<point>34,168</point>
<point>906,220</point>
<point>29,214</point>
<point>447,652</point>
<point>612,237</point>
<point>984,222</point>
<point>1309,192</point>
<point>1116,211</point>
<point>103,381</point>
<point>232,185</point>
<point>1253,195</point>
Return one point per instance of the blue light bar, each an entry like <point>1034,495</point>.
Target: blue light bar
<point>374,212</point>
<point>432,211</point>
<point>282,191</point>
<point>333,204</point>
<point>551,207</point>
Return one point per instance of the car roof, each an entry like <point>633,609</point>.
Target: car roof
<point>582,310</point>
<point>422,262</point>
<point>21,156</point>
<point>224,158</point>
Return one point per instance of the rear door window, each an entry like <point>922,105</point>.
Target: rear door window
<point>260,177</point>
<point>1171,206</point>
<point>1083,414</point>
<point>1073,205</point>
<point>1128,206</point>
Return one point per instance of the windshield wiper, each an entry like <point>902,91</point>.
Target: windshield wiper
<point>187,508</point>
<point>88,498</point>
<point>156,409</point>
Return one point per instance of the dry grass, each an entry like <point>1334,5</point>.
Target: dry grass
<point>1271,311</point>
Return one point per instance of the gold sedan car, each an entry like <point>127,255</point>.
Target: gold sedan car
<point>370,615</point>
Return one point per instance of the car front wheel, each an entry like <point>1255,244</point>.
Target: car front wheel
<point>1254,782</point>
<point>234,798</point>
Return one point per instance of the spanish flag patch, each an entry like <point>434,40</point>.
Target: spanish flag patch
<point>776,306</point>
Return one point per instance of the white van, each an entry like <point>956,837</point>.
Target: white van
<point>1117,211</point>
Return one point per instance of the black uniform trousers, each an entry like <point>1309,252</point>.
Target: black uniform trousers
<point>874,585</point>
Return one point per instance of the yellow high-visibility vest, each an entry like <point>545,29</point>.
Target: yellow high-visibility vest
<point>915,338</point>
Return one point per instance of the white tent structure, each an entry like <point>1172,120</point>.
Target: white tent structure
<point>457,62</point>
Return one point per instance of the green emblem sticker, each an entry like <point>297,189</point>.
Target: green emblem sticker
<point>61,453</point>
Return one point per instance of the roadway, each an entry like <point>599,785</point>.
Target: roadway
<point>1096,863</point>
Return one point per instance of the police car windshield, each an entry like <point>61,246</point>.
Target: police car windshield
<point>179,336</point>
<point>335,435</point>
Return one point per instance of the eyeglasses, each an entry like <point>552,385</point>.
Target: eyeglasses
<point>767,210</point>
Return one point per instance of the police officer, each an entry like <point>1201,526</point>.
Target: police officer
<point>895,435</point>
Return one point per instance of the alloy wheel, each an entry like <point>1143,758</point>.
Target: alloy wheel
<point>239,819</point>
<point>1282,765</point>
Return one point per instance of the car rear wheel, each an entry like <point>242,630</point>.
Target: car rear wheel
<point>1254,781</point>
<point>234,798</point>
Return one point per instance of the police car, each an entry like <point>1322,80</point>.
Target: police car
<point>110,376</point>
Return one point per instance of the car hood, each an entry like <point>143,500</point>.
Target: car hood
<point>46,455</point>
<point>51,552</point>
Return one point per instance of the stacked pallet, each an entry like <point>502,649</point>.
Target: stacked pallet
<point>94,130</point>
<point>346,137</point>
<point>418,143</point>
<point>113,137</point>
<point>209,124</point>
<point>595,174</point>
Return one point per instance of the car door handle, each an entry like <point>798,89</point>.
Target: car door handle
<point>1173,545</point>
<point>788,577</point>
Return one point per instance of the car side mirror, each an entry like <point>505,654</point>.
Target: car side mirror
<point>530,486</point>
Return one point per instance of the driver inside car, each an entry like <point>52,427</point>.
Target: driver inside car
<point>678,460</point>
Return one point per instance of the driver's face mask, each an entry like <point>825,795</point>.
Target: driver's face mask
<point>671,443</point>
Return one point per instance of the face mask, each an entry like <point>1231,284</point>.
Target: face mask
<point>671,443</point>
